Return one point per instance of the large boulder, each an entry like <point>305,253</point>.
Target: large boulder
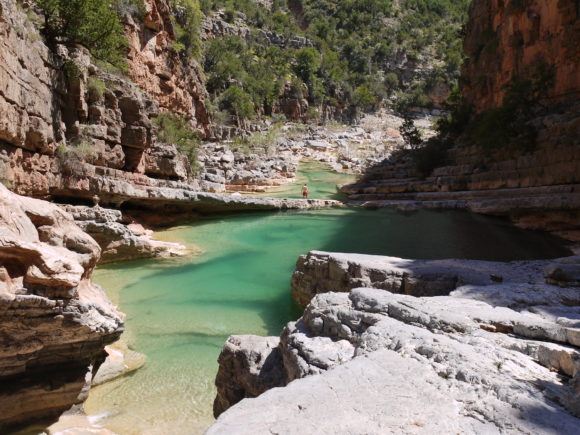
<point>54,321</point>
<point>248,366</point>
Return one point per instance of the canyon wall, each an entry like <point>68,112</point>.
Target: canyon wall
<point>54,321</point>
<point>505,38</point>
<point>176,84</point>
<point>73,131</point>
<point>537,186</point>
<point>72,128</point>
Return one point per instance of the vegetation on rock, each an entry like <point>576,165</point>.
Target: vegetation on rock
<point>176,130</point>
<point>186,24</point>
<point>91,23</point>
<point>506,127</point>
<point>355,54</point>
<point>96,89</point>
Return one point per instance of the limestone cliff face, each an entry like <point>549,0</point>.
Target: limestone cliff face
<point>54,321</point>
<point>474,353</point>
<point>64,119</point>
<point>505,38</point>
<point>174,83</point>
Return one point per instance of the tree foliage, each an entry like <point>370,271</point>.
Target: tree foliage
<point>176,130</point>
<point>411,134</point>
<point>237,102</point>
<point>91,23</point>
<point>187,24</point>
<point>353,57</point>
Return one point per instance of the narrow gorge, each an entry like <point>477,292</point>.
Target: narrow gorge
<point>249,216</point>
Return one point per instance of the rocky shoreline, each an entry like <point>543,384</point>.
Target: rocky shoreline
<point>385,344</point>
<point>494,347</point>
<point>270,157</point>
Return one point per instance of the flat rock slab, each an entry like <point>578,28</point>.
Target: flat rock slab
<point>380,393</point>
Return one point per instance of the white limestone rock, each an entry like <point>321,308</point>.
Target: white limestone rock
<point>499,353</point>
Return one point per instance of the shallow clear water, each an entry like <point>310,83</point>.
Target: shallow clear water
<point>179,313</point>
<point>321,182</point>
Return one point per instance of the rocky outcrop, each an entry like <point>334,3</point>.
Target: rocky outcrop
<point>70,126</point>
<point>271,157</point>
<point>121,240</point>
<point>55,322</point>
<point>292,102</point>
<point>248,366</point>
<point>246,171</point>
<point>322,272</point>
<point>490,356</point>
<point>217,25</point>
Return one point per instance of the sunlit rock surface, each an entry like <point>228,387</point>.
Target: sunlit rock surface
<point>54,321</point>
<point>498,352</point>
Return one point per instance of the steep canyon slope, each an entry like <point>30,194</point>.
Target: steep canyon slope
<point>519,155</point>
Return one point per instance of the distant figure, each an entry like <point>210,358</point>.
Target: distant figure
<point>305,191</point>
<point>96,200</point>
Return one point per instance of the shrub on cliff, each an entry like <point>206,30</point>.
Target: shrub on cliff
<point>187,24</point>
<point>91,23</point>
<point>238,103</point>
<point>426,154</point>
<point>176,130</point>
<point>96,89</point>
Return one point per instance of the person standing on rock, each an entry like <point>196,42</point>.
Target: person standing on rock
<point>305,191</point>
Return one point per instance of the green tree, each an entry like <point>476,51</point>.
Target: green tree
<point>91,23</point>
<point>307,63</point>
<point>363,98</point>
<point>410,133</point>
<point>238,103</point>
<point>187,27</point>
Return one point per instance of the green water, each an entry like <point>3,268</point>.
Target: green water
<point>320,180</point>
<point>179,313</point>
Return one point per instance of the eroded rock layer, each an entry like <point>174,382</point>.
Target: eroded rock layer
<point>494,355</point>
<point>54,322</point>
<point>118,239</point>
<point>71,129</point>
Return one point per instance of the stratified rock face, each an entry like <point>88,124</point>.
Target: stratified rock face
<point>54,321</point>
<point>536,190</point>
<point>322,272</point>
<point>505,38</point>
<point>490,357</point>
<point>158,69</point>
<point>64,119</point>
